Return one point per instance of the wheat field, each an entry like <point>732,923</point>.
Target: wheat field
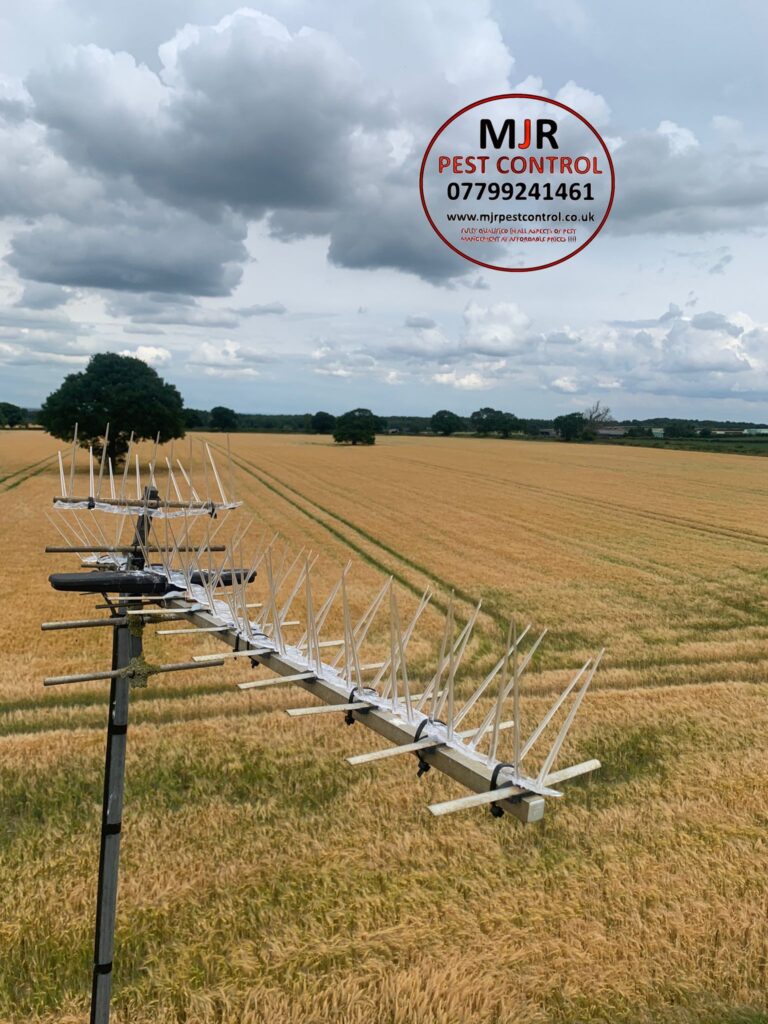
<point>265,880</point>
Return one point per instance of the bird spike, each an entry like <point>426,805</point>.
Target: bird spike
<point>103,461</point>
<point>552,711</point>
<point>511,644</point>
<point>216,474</point>
<point>425,599</point>
<point>313,641</point>
<point>487,721</point>
<point>456,654</point>
<point>398,667</point>
<point>72,463</point>
<point>471,701</point>
<point>550,758</point>
<point>351,660</point>
<point>366,620</point>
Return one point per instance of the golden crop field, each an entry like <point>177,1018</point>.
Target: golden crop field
<point>263,879</point>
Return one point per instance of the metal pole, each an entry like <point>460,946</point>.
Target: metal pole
<point>125,645</point>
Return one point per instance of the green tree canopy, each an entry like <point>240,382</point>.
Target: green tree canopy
<point>355,427</point>
<point>12,415</point>
<point>323,422</point>
<point>446,422</point>
<point>120,390</point>
<point>570,427</point>
<point>223,419</point>
<point>196,419</point>
<point>508,423</point>
<point>486,421</point>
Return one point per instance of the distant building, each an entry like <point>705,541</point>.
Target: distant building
<point>658,432</point>
<point>611,430</point>
<point>756,430</point>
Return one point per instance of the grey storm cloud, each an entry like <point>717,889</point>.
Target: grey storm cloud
<point>170,310</point>
<point>419,321</point>
<point>363,239</point>
<point>43,296</point>
<point>247,119</point>
<point>244,113</point>
<point>668,182</point>
<point>20,320</point>
<point>154,248</point>
<point>242,116</point>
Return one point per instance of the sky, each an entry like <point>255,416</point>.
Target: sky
<point>231,194</point>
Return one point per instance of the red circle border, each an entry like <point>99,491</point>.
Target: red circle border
<point>516,96</point>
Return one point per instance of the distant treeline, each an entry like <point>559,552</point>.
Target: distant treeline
<point>485,421</point>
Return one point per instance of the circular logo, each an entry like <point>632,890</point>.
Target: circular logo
<point>517,182</point>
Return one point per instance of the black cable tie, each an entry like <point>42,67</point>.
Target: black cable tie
<point>349,718</point>
<point>497,811</point>
<point>103,968</point>
<point>119,730</point>
<point>113,828</point>
<point>420,729</point>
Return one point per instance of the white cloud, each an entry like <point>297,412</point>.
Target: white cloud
<point>680,139</point>
<point>227,359</point>
<point>590,104</point>
<point>151,354</point>
<point>463,381</point>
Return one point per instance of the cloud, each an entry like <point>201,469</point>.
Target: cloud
<point>718,267</point>
<point>227,359</point>
<point>149,354</point>
<point>591,105</point>
<point>23,355</point>
<point>464,382</point>
<point>715,322</point>
<point>680,139</point>
<point>243,113</point>
<point>671,183</point>
<point>494,330</point>
<point>250,117</point>
<point>420,321</point>
<point>710,355</point>
<point>267,309</point>
<point>43,296</point>
<point>145,247</point>
<point>144,329</point>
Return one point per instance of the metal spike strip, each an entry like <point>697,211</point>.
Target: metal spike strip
<point>426,723</point>
<point>389,716</point>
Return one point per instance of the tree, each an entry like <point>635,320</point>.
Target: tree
<point>679,428</point>
<point>508,424</point>
<point>223,419</point>
<point>355,427</point>
<point>598,415</point>
<point>570,427</point>
<point>196,419</point>
<point>595,417</point>
<point>446,422</point>
<point>486,421</point>
<point>12,415</point>
<point>120,390</point>
<point>323,422</point>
